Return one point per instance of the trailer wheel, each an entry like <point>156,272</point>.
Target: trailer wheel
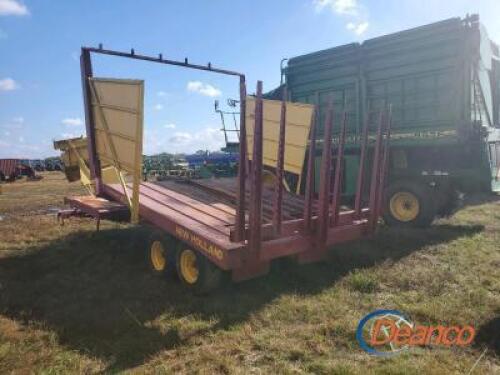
<point>409,204</point>
<point>196,272</point>
<point>161,255</point>
<point>450,202</point>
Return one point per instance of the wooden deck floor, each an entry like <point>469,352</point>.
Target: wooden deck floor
<point>207,206</point>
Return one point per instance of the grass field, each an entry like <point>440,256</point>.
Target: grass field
<point>76,300</point>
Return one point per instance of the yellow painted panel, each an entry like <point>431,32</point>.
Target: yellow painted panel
<point>109,175</point>
<point>118,122</point>
<point>76,161</point>
<point>123,123</point>
<point>298,124</point>
<point>119,92</point>
<point>117,106</point>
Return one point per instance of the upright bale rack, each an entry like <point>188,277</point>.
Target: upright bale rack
<point>239,224</point>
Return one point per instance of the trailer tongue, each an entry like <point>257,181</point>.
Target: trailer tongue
<point>234,224</point>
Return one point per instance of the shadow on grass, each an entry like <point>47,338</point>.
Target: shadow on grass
<point>477,199</point>
<point>488,335</point>
<point>94,289</point>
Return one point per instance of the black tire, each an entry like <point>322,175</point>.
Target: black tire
<point>450,202</point>
<point>415,198</point>
<point>166,245</point>
<point>208,276</point>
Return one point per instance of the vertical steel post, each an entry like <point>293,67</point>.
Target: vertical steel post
<point>255,215</point>
<point>86,74</point>
<point>309,192</point>
<point>385,160</point>
<point>361,170</point>
<point>375,175</point>
<point>240,196</point>
<point>325,179</point>
<point>337,187</point>
<point>280,165</point>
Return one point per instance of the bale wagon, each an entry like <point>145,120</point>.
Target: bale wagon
<point>233,225</point>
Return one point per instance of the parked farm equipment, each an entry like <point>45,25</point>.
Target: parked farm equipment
<point>443,81</point>
<point>235,224</point>
<point>12,169</point>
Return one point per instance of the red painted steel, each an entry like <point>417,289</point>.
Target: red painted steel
<point>242,166</point>
<point>98,208</point>
<point>325,179</point>
<point>255,215</point>
<point>375,178</point>
<point>361,172</point>
<point>337,183</point>
<point>94,163</point>
<point>385,161</point>
<point>8,167</point>
<point>209,215</point>
<point>278,197</point>
<point>309,190</point>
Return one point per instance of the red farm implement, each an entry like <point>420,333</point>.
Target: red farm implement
<point>10,169</point>
<point>241,224</point>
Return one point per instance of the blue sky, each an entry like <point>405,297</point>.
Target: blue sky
<point>40,92</point>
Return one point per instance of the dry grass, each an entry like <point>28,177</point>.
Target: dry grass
<point>72,300</point>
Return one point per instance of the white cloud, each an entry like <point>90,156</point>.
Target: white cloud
<point>349,7</point>
<point>13,8</point>
<point>203,89</point>
<point>180,138</point>
<point>161,93</point>
<point>16,141</point>
<point>70,135</point>
<point>169,126</point>
<point>358,28</point>
<point>8,84</point>
<point>208,138</point>
<point>158,107</point>
<point>70,121</point>
<point>17,150</point>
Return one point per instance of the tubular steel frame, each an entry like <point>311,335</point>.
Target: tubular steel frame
<point>95,170</point>
<point>248,249</point>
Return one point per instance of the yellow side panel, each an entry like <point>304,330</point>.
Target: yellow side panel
<point>298,124</point>
<point>109,175</point>
<point>118,122</point>
<point>117,108</point>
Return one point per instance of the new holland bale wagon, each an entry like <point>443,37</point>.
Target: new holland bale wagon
<point>443,82</point>
<point>236,224</point>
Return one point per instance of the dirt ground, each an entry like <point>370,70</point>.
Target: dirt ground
<point>76,300</point>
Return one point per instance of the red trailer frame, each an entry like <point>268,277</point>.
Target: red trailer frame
<point>239,224</point>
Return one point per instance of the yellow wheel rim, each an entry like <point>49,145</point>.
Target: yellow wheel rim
<point>404,206</point>
<point>188,266</point>
<point>157,253</point>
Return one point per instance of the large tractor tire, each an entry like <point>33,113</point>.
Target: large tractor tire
<point>450,201</point>
<point>161,255</point>
<point>409,204</point>
<point>196,272</point>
